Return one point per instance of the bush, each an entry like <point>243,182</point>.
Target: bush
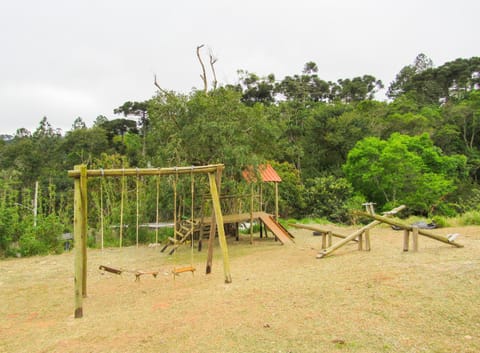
<point>470,218</point>
<point>43,238</point>
<point>30,245</point>
<point>332,198</point>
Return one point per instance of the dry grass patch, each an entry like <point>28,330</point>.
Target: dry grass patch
<point>282,299</point>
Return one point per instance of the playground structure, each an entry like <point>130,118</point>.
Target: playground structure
<point>236,213</point>
<point>81,176</point>
<point>363,234</point>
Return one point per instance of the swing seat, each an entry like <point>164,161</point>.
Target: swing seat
<point>110,269</point>
<point>178,271</point>
<point>140,273</point>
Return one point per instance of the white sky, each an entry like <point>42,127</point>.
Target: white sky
<point>69,58</point>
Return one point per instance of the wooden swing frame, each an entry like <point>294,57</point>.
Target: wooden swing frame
<point>80,218</point>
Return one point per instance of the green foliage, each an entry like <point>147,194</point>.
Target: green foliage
<point>470,218</point>
<point>330,197</point>
<point>291,190</point>
<point>403,170</point>
<point>333,145</point>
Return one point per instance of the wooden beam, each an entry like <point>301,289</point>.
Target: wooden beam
<point>220,227</point>
<point>318,229</point>
<point>212,168</point>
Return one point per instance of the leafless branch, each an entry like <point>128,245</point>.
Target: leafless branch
<point>157,85</point>
<point>204,75</point>
<point>213,60</point>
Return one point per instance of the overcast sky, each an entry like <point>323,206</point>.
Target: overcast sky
<point>65,59</point>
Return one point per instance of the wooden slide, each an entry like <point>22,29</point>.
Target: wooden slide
<point>276,228</point>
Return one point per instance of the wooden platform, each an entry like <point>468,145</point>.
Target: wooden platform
<point>276,228</point>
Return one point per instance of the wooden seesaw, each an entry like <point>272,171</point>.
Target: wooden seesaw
<point>450,239</point>
<point>364,232</point>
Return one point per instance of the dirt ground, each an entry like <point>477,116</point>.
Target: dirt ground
<point>281,299</point>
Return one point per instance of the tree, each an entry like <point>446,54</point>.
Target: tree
<point>140,110</point>
<point>403,170</point>
<point>305,87</point>
<point>79,124</point>
<point>403,78</point>
<point>83,145</point>
<point>256,89</point>
<point>359,88</point>
<point>217,128</point>
<point>435,86</point>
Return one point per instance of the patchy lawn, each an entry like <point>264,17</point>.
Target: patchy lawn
<point>282,299</point>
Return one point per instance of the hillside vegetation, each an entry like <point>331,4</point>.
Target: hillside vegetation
<point>334,145</point>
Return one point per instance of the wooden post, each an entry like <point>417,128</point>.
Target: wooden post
<point>251,215</point>
<point>415,238</point>
<point>122,197</point>
<point>211,239</point>
<point>367,240</point>
<point>360,241</point>
<point>35,205</point>
<point>80,238</point>
<point>260,197</point>
<point>406,235</point>
<point>329,238</point>
<point>221,231</point>
<point>324,240</point>
<point>276,201</point>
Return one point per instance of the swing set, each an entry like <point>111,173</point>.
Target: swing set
<point>81,175</point>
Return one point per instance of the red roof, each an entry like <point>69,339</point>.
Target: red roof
<point>266,171</point>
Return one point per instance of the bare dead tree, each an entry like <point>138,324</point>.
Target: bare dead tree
<point>203,76</point>
<point>213,60</point>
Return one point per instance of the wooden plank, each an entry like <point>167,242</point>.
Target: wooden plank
<point>177,271</point>
<point>318,229</point>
